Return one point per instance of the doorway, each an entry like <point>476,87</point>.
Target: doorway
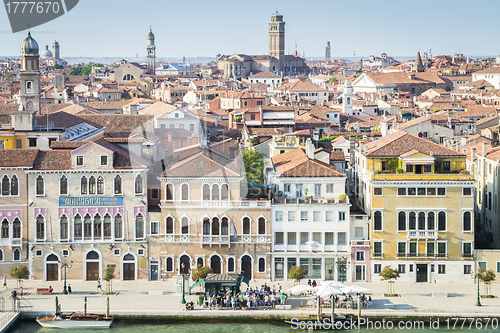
<point>154,270</point>
<point>246,266</point>
<point>418,169</point>
<point>421,272</point>
<point>360,273</point>
<point>92,265</point>
<point>128,267</point>
<point>185,264</point>
<point>52,268</point>
<point>215,264</point>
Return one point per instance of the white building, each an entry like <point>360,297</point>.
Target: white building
<point>492,75</point>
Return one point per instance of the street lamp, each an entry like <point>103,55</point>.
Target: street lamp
<point>65,265</point>
<point>478,301</point>
<point>183,275</point>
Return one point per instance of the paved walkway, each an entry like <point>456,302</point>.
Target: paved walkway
<point>134,298</point>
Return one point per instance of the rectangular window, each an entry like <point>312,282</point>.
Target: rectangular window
<point>79,160</point>
<point>498,266</point>
<point>467,269</point>
<point>291,216</point>
<point>377,249</point>
<point>421,191</point>
<point>316,216</point>
<point>341,216</point>
<point>104,160</point>
<point>467,191</point>
<point>431,191</point>
<point>401,268</point>
<point>19,144</point>
<point>303,216</point>
<point>292,238</point>
<point>154,228</point>
<point>401,190</point>
<point>412,191</point>
<point>482,265</point>
<point>279,216</point>
<point>427,168</point>
<point>286,187</point>
<point>329,216</point>
<point>446,166</point>
<point>413,249</point>
<point>441,191</point>
<point>317,237</point>
<point>467,249</point>
<point>155,193</point>
<point>341,238</point>
<point>32,142</point>
<point>377,191</point>
<point>278,238</point>
<point>377,268</point>
<point>360,256</point>
<point>304,237</point>
<point>409,168</point>
<point>401,249</point>
<point>441,269</point>
<point>328,238</point>
<point>441,249</point>
<point>430,249</point>
<point>329,188</point>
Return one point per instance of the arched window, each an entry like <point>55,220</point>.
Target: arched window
<point>262,265</point>
<point>29,86</point>
<point>1,255</point>
<point>206,226</point>
<point>467,221</point>
<point>184,192</point>
<point>138,184</point>
<point>87,227</point>
<point>97,226</point>
<point>170,192</point>
<point>92,255</point>
<point>5,185</point>
<point>16,228</point>
<point>377,220</point>
<point>92,185</point>
<point>401,221</point>
<point>246,226</point>
<point>224,226</point>
<point>17,255</point>
<point>348,100</point>
<point>63,227</point>
<point>215,226</point>
<point>78,227</point>
<point>442,221</point>
<point>100,185</point>
<point>118,185</point>
<point>139,226</point>
<point>83,185</point>
<point>107,226</point>
<point>170,225</point>
<point>206,192</point>
<point>118,226</point>
<point>199,262</point>
<point>230,265</point>
<point>224,195</point>
<point>40,228</point>
<point>14,186</point>
<point>40,188</point>
<point>421,221</point>
<point>5,228</point>
<point>262,226</point>
<point>430,221</point>
<point>184,225</point>
<point>63,185</point>
<point>412,221</point>
<point>170,264</point>
<point>215,192</point>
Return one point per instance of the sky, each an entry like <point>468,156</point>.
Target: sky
<point>118,28</point>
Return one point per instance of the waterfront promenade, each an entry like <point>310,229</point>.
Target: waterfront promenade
<point>146,298</point>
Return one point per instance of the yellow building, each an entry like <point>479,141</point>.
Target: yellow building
<point>421,202</point>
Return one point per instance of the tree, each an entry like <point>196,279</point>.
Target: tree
<point>389,274</point>
<point>254,166</point>
<point>487,277</point>
<point>201,272</point>
<point>297,273</point>
<point>87,70</point>
<point>76,70</point>
<point>8,76</point>
<point>332,80</point>
<point>57,66</point>
<point>19,273</point>
<point>109,275</point>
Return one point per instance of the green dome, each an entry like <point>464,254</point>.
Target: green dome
<point>29,46</point>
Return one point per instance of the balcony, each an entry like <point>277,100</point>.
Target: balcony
<point>293,201</point>
<point>378,255</point>
<point>215,203</point>
<point>411,255</point>
<point>467,255</point>
<point>422,234</point>
<point>423,176</point>
<point>218,239</point>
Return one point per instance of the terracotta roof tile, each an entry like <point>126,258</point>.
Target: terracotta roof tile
<point>295,163</point>
<point>17,157</point>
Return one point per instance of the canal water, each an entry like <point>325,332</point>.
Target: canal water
<point>123,327</point>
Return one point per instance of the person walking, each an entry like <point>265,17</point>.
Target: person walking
<point>69,290</point>
<point>99,285</point>
<point>5,283</point>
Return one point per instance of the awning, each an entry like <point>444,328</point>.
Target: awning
<point>197,283</point>
<point>244,279</point>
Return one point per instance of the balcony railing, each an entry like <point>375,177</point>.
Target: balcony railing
<point>288,201</point>
<point>421,255</point>
<point>422,234</point>
<point>378,255</point>
<point>468,255</point>
<point>207,239</point>
<point>422,176</point>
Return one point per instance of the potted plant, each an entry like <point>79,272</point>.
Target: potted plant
<point>399,171</point>
<point>342,198</point>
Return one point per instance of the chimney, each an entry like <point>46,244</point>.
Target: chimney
<point>473,154</point>
<point>449,121</point>
<point>361,146</point>
<point>483,153</point>
<point>310,149</point>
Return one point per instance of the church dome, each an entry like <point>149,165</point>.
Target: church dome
<point>46,53</point>
<point>29,46</point>
<point>151,36</point>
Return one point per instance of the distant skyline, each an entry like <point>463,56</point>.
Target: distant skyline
<point>199,28</point>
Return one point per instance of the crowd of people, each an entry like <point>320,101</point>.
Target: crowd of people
<point>265,297</point>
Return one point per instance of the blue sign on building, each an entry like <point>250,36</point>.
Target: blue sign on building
<point>90,201</point>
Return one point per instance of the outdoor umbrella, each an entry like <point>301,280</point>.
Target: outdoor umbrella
<point>326,291</point>
<point>354,289</point>
<point>337,284</point>
<point>300,289</point>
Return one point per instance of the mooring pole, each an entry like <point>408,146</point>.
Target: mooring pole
<point>359,307</point>
<point>107,307</point>
<point>57,305</point>
<point>85,306</point>
<point>319,308</point>
<point>333,309</point>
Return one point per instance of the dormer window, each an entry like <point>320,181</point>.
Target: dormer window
<point>79,160</point>
<point>104,160</point>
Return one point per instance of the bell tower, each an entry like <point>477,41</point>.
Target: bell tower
<point>151,49</point>
<point>277,40</point>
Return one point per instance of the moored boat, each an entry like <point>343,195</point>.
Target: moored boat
<point>76,320</point>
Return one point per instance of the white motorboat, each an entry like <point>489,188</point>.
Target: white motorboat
<point>76,320</point>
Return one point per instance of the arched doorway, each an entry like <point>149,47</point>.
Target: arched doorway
<point>52,268</point>
<point>92,263</point>
<point>215,264</point>
<point>185,264</point>
<point>246,266</point>
<point>128,267</point>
